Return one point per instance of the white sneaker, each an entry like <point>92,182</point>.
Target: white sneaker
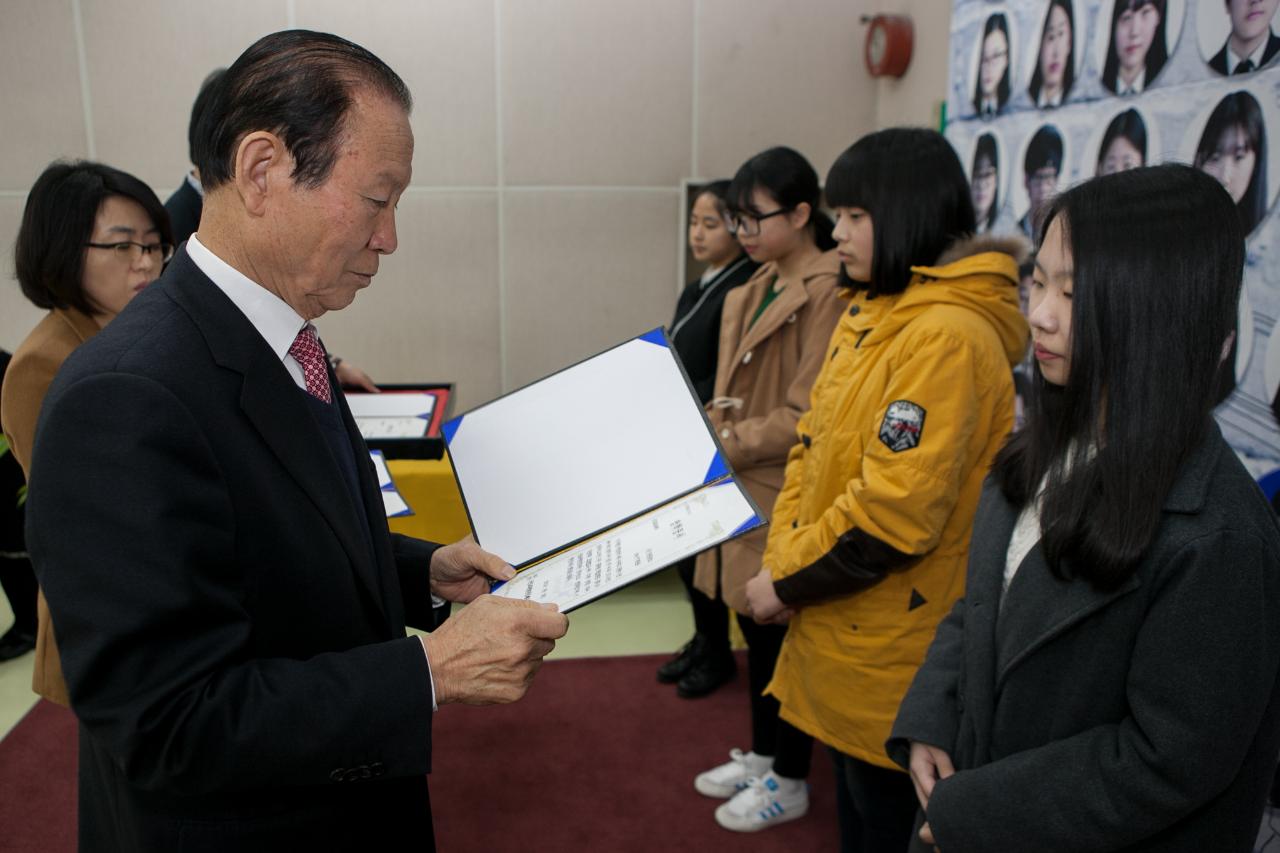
<point>731,777</point>
<point>762,803</point>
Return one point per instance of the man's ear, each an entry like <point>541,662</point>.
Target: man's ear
<point>262,163</point>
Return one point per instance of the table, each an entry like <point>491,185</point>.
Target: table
<point>432,493</point>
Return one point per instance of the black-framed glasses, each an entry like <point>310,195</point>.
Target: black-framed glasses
<point>133,251</point>
<point>747,225</point>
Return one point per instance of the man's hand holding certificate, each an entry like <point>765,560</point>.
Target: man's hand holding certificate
<point>596,476</point>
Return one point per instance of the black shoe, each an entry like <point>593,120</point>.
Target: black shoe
<point>15,644</point>
<point>675,669</point>
<point>708,673</point>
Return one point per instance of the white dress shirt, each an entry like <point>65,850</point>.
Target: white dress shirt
<point>270,315</point>
<point>1234,61</point>
<point>1135,88</point>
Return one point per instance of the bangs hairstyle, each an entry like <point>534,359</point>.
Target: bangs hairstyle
<point>1157,54</point>
<point>719,191</point>
<point>1068,73</point>
<point>788,178</point>
<point>911,182</point>
<point>58,221</point>
<point>1240,110</point>
<point>1150,310</point>
<point>299,85</point>
<point>997,23</point>
<point>1129,126</point>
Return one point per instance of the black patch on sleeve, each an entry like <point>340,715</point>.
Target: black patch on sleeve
<point>902,426</point>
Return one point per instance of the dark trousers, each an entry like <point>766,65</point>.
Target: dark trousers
<point>792,749</point>
<point>19,583</point>
<point>710,616</point>
<point>877,806</point>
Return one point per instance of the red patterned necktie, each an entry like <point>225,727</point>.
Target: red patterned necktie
<point>307,351</point>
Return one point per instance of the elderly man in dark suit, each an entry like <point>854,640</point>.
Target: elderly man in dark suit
<point>206,522</point>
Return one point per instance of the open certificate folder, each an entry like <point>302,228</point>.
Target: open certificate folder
<point>596,476</point>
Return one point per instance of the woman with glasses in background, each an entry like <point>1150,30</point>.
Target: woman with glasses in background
<point>92,237</point>
<point>773,338</point>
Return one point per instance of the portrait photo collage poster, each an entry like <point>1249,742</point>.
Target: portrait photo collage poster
<point>1074,88</point>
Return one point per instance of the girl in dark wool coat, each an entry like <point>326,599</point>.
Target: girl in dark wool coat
<point>1109,681</point>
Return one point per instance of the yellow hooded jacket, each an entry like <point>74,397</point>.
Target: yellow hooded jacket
<point>870,532</point>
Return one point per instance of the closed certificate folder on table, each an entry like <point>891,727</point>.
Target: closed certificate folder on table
<point>593,477</point>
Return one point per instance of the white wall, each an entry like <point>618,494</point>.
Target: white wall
<point>542,223</point>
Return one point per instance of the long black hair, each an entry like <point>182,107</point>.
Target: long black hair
<point>911,182</point>
<point>1240,110</point>
<point>995,23</point>
<point>986,150</point>
<point>784,174</point>
<point>1068,73</point>
<point>1151,309</point>
<point>1157,54</point>
<point>1128,126</point>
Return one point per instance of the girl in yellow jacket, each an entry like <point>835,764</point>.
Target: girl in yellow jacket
<point>867,544</point>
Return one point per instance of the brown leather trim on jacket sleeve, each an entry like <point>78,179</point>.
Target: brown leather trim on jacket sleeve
<point>856,562</point>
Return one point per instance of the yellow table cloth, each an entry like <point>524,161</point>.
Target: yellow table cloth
<point>427,485</point>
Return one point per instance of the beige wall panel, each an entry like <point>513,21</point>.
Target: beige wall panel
<point>41,112</point>
<point>146,61</point>
<point>17,315</point>
<point>777,73</point>
<point>431,314</point>
<point>584,271</point>
<point>914,99</point>
<point>595,92</point>
<point>444,51</point>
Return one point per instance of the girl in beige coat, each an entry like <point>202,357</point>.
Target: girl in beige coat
<point>773,339</point>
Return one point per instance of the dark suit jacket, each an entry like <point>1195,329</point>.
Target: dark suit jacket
<point>696,326</point>
<point>1144,718</point>
<point>1219,61</point>
<point>184,206</point>
<point>233,642</point>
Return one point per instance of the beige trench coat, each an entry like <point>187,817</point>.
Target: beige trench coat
<point>762,386</point>
<point>27,380</point>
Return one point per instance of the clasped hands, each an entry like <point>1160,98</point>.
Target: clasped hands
<point>929,765</point>
<point>489,652</point>
<point>765,606</point>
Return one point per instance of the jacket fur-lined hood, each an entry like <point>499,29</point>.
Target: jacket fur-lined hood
<point>1014,245</point>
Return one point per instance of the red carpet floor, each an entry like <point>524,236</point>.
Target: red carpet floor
<point>598,757</point>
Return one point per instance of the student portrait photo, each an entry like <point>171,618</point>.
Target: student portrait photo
<point>1124,144</point>
<point>984,182</point>
<point>1055,65</point>
<point>1041,175</point>
<point>1137,43</point>
<point>1238,36</point>
<point>995,57</point>
<point>1233,149</point>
